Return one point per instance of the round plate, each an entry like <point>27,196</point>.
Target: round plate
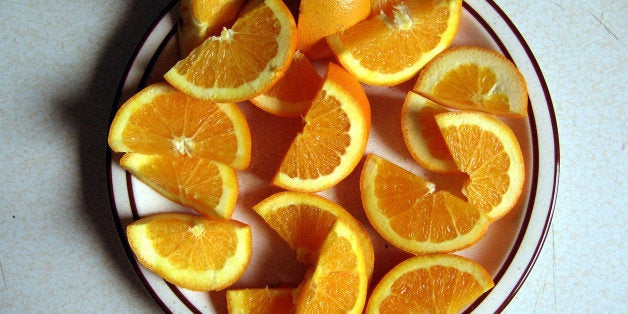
<point>509,249</point>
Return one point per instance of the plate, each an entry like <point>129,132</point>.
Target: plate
<point>509,249</point>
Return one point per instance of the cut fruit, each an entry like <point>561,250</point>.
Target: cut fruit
<point>293,94</point>
<point>199,19</point>
<point>192,252</point>
<point>165,121</point>
<point>440,283</point>
<point>333,139</point>
<point>208,187</point>
<point>320,18</point>
<point>487,150</point>
<point>260,301</point>
<point>392,47</point>
<point>474,78</point>
<point>243,61</point>
<point>303,220</point>
<point>422,136</point>
<point>338,282</point>
<point>407,212</point>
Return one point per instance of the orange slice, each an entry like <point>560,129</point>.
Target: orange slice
<point>408,212</point>
<point>303,220</point>
<point>260,301</point>
<point>209,187</point>
<point>338,282</point>
<point>320,18</point>
<point>192,252</point>
<point>243,61</point>
<point>475,78</point>
<point>488,151</point>
<point>422,136</point>
<point>440,283</point>
<point>163,120</point>
<point>392,47</point>
<point>292,95</point>
<point>199,19</point>
<point>333,139</point>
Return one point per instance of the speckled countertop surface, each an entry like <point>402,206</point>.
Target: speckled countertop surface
<point>61,62</point>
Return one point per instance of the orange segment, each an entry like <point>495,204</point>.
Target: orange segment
<point>208,187</point>
<point>190,251</point>
<point>392,47</point>
<point>487,150</point>
<point>293,94</point>
<point>333,139</point>
<point>338,282</point>
<point>408,212</point>
<point>162,120</point>
<point>260,301</point>
<point>422,136</point>
<point>320,18</point>
<point>243,61</point>
<point>199,19</point>
<point>303,220</point>
<point>439,283</point>
<point>475,78</point>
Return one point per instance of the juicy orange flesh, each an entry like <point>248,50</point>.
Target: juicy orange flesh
<point>318,150</point>
<point>434,138</point>
<point>417,214</point>
<point>198,246</point>
<point>335,291</point>
<point>481,155</point>
<point>300,83</point>
<point>471,85</point>
<point>197,132</point>
<point>246,48</point>
<point>260,301</point>
<point>437,289</point>
<point>423,36</point>
<point>304,227</point>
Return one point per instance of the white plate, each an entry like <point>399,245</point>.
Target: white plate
<point>508,251</point>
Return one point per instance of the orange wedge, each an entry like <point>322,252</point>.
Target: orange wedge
<point>408,212</point>
<point>190,251</point>
<point>165,121</point>
<point>260,301</point>
<point>475,78</point>
<point>209,187</point>
<point>338,282</point>
<point>440,283</point>
<point>243,61</point>
<point>333,139</point>
<point>422,136</point>
<point>488,151</point>
<point>293,94</point>
<point>392,47</point>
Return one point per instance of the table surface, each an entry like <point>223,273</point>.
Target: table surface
<point>61,62</point>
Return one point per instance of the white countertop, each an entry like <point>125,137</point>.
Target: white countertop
<point>61,62</point>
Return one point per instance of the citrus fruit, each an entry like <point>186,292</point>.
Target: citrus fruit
<point>199,19</point>
<point>409,213</point>
<point>260,301</point>
<point>244,60</point>
<point>190,251</point>
<point>292,95</point>
<point>391,47</point>
<point>303,220</point>
<point>487,150</point>
<point>320,18</point>
<point>209,187</point>
<point>440,283</point>
<point>338,282</point>
<point>163,120</point>
<point>333,138</point>
<point>378,5</point>
<point>474,78</point>
<point>422,136</point>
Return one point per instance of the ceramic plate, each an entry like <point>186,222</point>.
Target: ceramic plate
<point>509,249</point>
